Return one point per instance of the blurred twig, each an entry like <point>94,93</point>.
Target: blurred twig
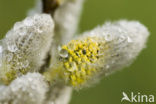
<point>49,6</point>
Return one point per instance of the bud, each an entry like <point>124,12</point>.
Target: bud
<point>28,89</point>
<point>100,52</point>
<point>25,46</point>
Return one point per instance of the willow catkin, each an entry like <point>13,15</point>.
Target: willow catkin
<point>100,52</point>
<point>25,46</point>
<point>28,89</point>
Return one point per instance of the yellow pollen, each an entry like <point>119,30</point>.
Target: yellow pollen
<point>82,53</point>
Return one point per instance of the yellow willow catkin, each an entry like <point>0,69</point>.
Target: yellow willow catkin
<point>99,52</point>
<point>80,65</point>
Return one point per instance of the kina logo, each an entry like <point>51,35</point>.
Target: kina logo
<point>137,97</point>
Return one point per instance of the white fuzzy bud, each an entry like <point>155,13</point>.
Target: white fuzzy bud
<point>101,51</point>
<point>25,46</point>
<point>27,89</point>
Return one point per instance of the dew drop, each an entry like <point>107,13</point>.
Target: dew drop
<point>63,53</point>
<point>1,49</point>
<point>12,48</point>
<point>17,26</point>
<point>25,64</point>
<point>121,38</point>
<point>129,40</point>
<point>28,22</point>
<point>107,66</point>
<point>39,30</point>
<point>22,32</point>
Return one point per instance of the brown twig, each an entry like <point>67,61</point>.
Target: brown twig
<point>49,6</point>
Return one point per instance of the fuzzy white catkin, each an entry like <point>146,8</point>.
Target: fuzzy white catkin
<point>66,19</point>
<point>25,46</point>
<point>125,40</point>
<point>100,52</point>
<point>27,89</point>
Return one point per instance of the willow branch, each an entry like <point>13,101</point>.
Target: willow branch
<point>49,6</point>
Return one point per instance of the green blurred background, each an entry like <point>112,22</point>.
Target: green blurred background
<point>139,77</point>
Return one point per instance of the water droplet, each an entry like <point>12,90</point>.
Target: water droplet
<point>63,53</point>
<point>1,49</point>
<point>25,64</point>
<point>12,48</point>
<point>22,32</point>
<point>129,40</point>
<point>107,66</point>
<point>17,26</point>
<point>121,38</point>
<point>28,22</point>
<point>39,30</point>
